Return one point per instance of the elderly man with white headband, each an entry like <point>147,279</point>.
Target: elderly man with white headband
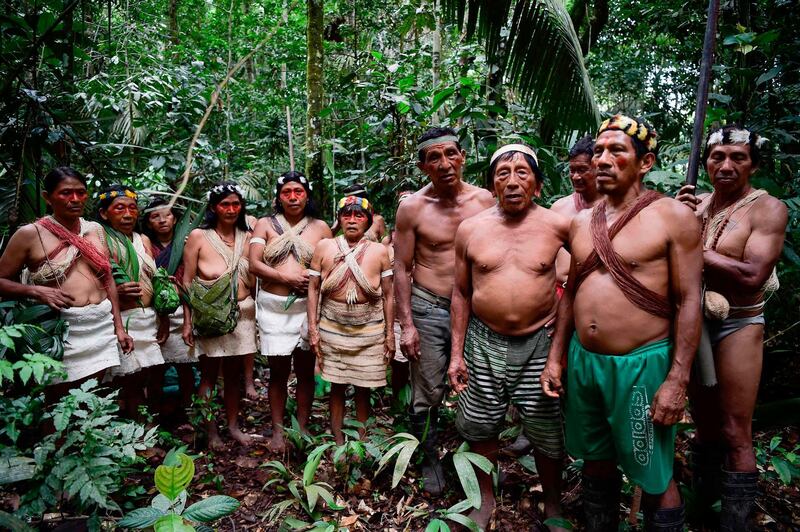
<point>742,232</point>
<point>426,228</point>
<point>503,302</point>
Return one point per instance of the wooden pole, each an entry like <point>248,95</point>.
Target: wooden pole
<point>702,92</point>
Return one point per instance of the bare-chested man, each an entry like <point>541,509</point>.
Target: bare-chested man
<point>280,254</point>
<point>216,276</point>
<point>426,230</point>
<point>584,194</point>
<point>70,273</point>
<point>632,311</point>
<point>350,312</point>
<point>504,295</point>
<point>743,232</point>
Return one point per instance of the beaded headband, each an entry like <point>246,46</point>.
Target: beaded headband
<point>437,140</point>
<point>632,128</point>
<point>514,147</point>
<point>225,188</point>
<point>735,136</point>
<point>115,193</point>
<point>355,200</point>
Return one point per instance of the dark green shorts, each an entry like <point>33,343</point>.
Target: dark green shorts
<point>607,411</point>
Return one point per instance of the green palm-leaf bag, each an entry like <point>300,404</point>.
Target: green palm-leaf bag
<point>215,308</point>
<point>165,296</point>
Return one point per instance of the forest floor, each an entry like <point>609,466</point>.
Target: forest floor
<point>368,502</point>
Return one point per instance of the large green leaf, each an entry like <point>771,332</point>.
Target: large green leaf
<point>172,523</point>
<point>468,478</point>
<point>141,518</point>
<point>541,56</point>
<point>211,509</point>
<point>172,480</point>
<point>187,223</point>
<point>16,468</point>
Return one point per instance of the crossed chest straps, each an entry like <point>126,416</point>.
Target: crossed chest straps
<point>347,272</point>
<point>604,255</point>
<point>288,242</point>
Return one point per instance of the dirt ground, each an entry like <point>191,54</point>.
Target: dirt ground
<point>369,503</point>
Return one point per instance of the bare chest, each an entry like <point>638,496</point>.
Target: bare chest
<point>730,238</point>
<point>436,227</point>
<point>528,251</point>
<point>640,243</point>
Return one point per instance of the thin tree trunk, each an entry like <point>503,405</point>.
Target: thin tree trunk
<point>436,60</point>
<point>226,169</point>
<point>249,67</point>
<point>315,93</point>
<point>284,87</point>
<point>172,21</point>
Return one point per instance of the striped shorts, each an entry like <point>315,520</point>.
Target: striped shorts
<point>502,370</point>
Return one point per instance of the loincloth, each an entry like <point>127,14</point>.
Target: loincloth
<point>281,331</point>
<point>142,325</point>
<point>351,340</point>
<point>91,343</point>
<point>175,350</point>
<point>240,341</point>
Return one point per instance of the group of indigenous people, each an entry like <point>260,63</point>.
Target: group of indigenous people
<point>594,318</point>
<point>597,319</point>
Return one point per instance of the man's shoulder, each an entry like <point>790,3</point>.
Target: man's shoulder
<point>770,211</point>
<point>671,210</point>
<point>480,222</point>
<point>564,206</point>
<point>478,194</point>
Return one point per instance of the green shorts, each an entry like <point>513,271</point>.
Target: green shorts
<point>607,411</point>
<point>505,370</point>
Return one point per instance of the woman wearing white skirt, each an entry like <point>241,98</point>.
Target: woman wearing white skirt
<point>133,267</point>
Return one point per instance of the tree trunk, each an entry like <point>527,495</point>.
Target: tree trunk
<point>284,87</point>
<point>172,21</point>
<point>436,60</point>
<point>315,94</point>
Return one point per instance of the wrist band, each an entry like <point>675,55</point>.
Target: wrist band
<point>313,273</point>
<point>387,273</point>
<point>258,240</point>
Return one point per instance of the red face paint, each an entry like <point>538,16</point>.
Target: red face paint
<point>293,193</point>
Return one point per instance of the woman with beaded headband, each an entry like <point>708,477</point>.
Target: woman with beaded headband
<point>61,263</point>
<point>743,231</point>
<point>133,267</point>
<point>280,252</point>
<point>350,312</point>
<point>158,222</point>
<point>222,317</point>
<point>377,230</point>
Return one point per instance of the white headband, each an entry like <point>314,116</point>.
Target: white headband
<point>514,147</point>
<point>735,136</point>
<point>438,140</point>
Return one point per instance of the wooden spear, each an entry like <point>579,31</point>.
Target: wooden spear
<point>702,92</point>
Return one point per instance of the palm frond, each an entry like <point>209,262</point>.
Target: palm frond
<point>541,56</point>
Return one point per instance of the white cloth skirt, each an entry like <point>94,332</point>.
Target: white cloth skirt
<point>281,331</point>
<point>175,350</point>
<point>91,343</point>
<point>240,341</point>
<point>142,326</point>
